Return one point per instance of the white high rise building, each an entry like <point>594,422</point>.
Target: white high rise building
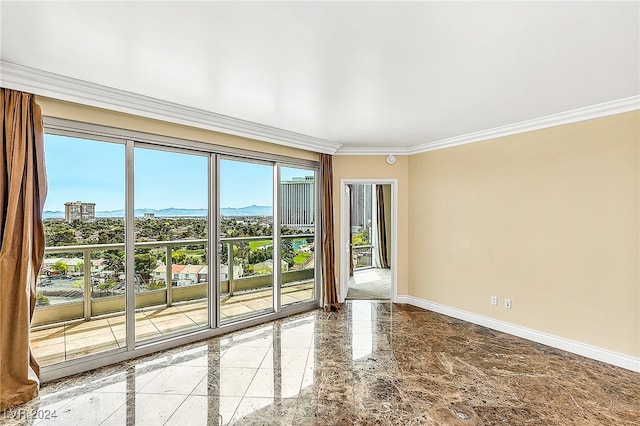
<point>297,203</point>
<point>79,211</point>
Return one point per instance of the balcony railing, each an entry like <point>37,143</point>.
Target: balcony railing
<point>362,256</point>
<point>93,304</point>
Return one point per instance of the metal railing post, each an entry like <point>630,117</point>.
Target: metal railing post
<point>87,284</point>
<point>232,284</point>
<point>169,278</point>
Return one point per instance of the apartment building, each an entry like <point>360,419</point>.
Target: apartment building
<point>79,211</point>
<point>298,204</point>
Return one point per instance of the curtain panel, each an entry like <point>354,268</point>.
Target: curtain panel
<point>23,190</point>
<point>328,253</point>
<point>382,229</point>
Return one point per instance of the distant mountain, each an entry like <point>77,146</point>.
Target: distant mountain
<point>48,214</point>
<point>176,212</point>
<point>247,211</point>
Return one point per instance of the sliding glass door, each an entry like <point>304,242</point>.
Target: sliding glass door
<point>80,291</point>
<point>246,242</point>
<point>150,238</point>
<point>297,234</point>
<point>171,240</point>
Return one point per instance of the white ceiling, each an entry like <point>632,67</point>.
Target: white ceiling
<point>361,76</point>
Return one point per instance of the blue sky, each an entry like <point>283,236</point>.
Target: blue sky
<point>94,172</point>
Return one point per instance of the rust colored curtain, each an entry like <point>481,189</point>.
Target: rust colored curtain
<point>23,190</point>
<point>382,229</point>
<point>327,234</point>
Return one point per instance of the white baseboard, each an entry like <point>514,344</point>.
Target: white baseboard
<point>589,351</point>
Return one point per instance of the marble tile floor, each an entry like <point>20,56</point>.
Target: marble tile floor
<point>371,363</point>
<point>73,339</point>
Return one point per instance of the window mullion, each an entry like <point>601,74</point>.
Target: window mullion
<point>277,259</point>
<point>129,239</point>
<point>214,241</point>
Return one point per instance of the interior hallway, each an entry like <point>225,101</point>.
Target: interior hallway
<point>371,363</point>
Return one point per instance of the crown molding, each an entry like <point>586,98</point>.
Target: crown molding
<point>43,83</point>
<point>65,88</point>
<point>604,109</point>
<point>396,150</point>
<point>618,106</point>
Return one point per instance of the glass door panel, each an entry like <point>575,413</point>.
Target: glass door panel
<point>80,287</point>
<point>361,222</point>
<point>297,235</point>
<point>246,239</point>
<point>171,241</point>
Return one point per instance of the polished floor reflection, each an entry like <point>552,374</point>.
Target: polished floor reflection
<point>371,363</point>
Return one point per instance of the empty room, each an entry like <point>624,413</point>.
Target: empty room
<point>320,213</point>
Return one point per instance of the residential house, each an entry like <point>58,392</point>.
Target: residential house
<point>238,271</point>
<point>189,275</point>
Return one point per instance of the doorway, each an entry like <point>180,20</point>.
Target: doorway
<point>368,239</point>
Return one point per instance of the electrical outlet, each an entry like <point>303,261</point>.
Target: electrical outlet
<point>507,303</point>
<point>494,300</point>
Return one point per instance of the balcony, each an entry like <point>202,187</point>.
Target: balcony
<point>362,256</point>
<point>86,311</point>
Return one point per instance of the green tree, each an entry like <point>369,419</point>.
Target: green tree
<point>114,260</point>
<point>287,251</point>
<point>66,237</point>
<point>108,285</point>
<point>60,267</point>
<point>178,257</point>
<point>361,238</point>
<point>145,264</point>
<point>42,300</point>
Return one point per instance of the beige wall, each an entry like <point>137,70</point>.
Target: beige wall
<point>61,109</point>
<point>548,218</point>
<point>375,167</point>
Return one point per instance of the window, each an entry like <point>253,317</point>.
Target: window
<point>361,223</point>
<point>247,263</point>
<point>297,234</point>
<point>171,233</point>
<point>83,271</point>
<point>149,238</point>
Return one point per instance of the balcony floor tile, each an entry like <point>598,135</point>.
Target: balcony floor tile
<point>74,339</point>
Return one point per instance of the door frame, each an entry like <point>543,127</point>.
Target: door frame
<point>344,251</point>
